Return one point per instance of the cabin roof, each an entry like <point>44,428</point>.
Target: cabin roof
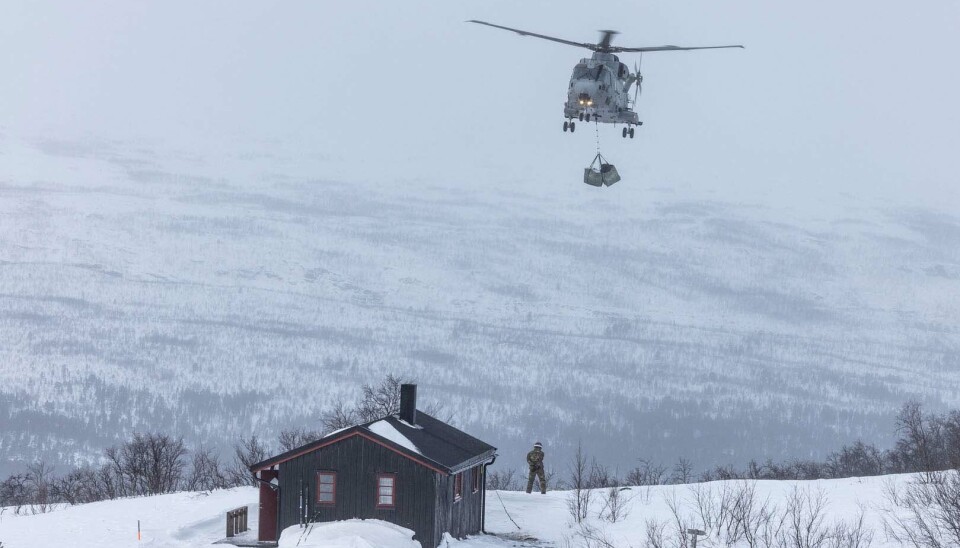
<point>431,442</point>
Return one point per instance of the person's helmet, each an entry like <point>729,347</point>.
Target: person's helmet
<point>538,444</point>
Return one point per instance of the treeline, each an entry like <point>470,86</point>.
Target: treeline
<point>147,464</point>
<point>926,442</point>
<point>157,463</point>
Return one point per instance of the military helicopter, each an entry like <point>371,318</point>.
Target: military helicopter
<point>599,87</point>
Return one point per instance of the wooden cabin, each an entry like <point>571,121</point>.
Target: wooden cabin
<point>409,469</point>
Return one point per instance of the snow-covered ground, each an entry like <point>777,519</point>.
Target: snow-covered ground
<point>197,519</point>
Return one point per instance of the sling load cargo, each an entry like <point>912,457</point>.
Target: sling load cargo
<point>604,174</point>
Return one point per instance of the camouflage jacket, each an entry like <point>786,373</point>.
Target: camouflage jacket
<point>535,458</point>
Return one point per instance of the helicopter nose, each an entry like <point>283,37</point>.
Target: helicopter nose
<point>586,93</point>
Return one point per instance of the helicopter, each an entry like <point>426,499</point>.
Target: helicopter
<point>599,87</point>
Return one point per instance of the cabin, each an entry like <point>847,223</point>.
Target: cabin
<point>410,469</point>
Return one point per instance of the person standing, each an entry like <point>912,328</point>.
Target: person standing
<point>535,460</point>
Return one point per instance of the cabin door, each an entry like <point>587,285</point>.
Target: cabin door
<point>268,507</point>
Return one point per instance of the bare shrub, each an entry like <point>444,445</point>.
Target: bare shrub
<point>293,438</point>
<point>381,400</point>
<point>246,453</point>
<point>646,473</point>
<point>39,485</point>
<point>206,474</point>
<point>554,479</point>
<point>733,513</point>
<point>148,464</point>
<point>805,517</point>
<point>616,502</point>
<point>79,486</point>
<point>338,417</point>
<point>926,513</point>
<point>922,436</point>
<point>578,501</point>
<point>677,535</point>
<point>682,471</point>
<point>951,438</point>
<point>594,537</point>
<point>503,480</point>
<point>852,536</point>
<point>655,534</point>
<point>601,476</point>
<point>375,403</point>
<point>859,459</point>
<point>14,492</point>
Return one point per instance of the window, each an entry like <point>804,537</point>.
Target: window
<point>326,487</point>
<point>458,487</point>
<point>477,472</point>
<point>386,490</point>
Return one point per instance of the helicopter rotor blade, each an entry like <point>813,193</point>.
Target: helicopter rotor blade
<point>545,37</point>
<point>606,37</point>
<point>618,49</point>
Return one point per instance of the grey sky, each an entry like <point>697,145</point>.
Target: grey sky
<point>828,97</point>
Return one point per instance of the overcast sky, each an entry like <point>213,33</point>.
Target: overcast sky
<point>829,97</point>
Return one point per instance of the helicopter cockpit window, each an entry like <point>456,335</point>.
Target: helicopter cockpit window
<point>582,71</point>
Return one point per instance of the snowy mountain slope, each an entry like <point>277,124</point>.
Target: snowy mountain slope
<point>216,294</point>
<point>197,519</point>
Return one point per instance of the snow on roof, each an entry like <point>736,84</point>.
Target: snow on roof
<point>352,533</point>
<point>338,430</point>
<point>385,429</point>
<point>407,424</point>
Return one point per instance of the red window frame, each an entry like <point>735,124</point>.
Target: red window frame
<point>333,492</point>
<point>393,491</point>
<point>476,478</point>
<point>458,487</point>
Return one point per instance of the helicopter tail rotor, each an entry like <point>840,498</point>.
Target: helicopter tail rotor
<point>636,80</point>
<point>639,77</point>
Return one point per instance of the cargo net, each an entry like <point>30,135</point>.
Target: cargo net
<point>600,172</point>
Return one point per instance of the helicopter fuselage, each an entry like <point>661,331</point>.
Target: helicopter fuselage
<point>598,90</point>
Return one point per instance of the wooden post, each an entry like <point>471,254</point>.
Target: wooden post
<point>236,521</point>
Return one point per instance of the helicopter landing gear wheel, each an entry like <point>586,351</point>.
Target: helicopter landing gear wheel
<point>624,133</point>
<point>631,133</point>
<point>566,126</point>
<point>587,117</point>
<point>581,116</point>
<point>573,126</point>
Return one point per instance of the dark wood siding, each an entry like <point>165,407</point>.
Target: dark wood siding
<point>357,461</point>
<point>459,517</point>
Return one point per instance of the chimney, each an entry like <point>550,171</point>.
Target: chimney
<point>408,403</point>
